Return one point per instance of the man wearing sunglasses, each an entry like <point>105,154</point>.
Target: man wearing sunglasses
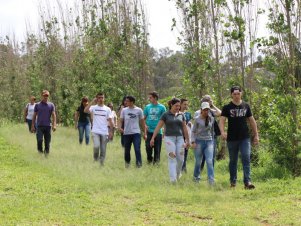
<point>43,112</point>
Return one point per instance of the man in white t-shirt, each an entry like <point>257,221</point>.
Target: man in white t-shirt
<point>102,126</point>
<point>132,117</point>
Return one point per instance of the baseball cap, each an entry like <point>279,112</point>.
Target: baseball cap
<point>205,105</point>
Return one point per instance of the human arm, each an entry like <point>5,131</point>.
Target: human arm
<point>25,112</point>
<point>143,127</point>
<point>217,111</point>
<point>33,128</point>
<point>111,128</point>
<point>115,121</point>
<point>76,116</point>
<point>193,135</point>
<point>120,123</point>
<point>185,131</point>
<point>156,131</point>
<point>222,127</point>
<point>53,121</point>
<point>253,125</point>
<point>87,108</point>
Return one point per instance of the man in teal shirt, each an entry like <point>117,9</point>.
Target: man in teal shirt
<point>152,114</point>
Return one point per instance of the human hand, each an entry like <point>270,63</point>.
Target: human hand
<point>152,142</point>
<point>224,136</point>
<point>53,128</point>
<point>256,140</point>
<point>193,145</point>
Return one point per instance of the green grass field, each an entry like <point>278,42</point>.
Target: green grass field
<point>68,188</point>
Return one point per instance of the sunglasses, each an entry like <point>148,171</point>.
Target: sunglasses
<point>45,95</point>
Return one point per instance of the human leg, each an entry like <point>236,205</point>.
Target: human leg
<point>137,149</point>
<point>80,127</point>
<point>29,122</point>
<point>208,151</point>
<point>103,148</point>
<point>128,140</point>
<point>198,156</point>
<point>180,149</point>
<point>245,149</point>
<point>96,146</point>
<point>233,148</point>
<point>47,138</point>
<point>157,148</point>
<point>184,169</point>
<point>87,133</point>
<point>148,148</point>
<point>171,154</point>
<point>40,139</point>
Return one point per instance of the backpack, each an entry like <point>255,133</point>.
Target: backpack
<point>217,131</point>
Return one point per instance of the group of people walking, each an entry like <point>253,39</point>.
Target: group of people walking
<point>176,124</point>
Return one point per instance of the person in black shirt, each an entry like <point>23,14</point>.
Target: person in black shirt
<point>238,114</point>
<point>83,121</point>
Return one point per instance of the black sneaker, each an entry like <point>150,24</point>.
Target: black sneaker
<point>232,185</point>
<point>249,186</point>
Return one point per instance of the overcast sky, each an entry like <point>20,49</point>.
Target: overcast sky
<point>16,14</point>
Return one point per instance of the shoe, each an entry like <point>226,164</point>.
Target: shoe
<point>179,176</point>
<point>184,170</point>
<point>127,165</point>
<point>139,165</point>
<point>232,185</point>
<point>249,186</point>
<point>196,179</point>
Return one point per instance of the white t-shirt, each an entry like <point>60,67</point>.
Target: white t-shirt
<point>100,114</point>
<point>30,110</point>
<point>131,118</point>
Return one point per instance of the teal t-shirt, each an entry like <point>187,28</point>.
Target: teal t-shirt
<point>153,113</point>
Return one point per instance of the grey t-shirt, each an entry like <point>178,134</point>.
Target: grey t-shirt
<point>200,131</point>
<point>173,123</point>
<point>131,118</point>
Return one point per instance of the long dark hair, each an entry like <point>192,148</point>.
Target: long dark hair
<point>173,101</point>
<point>84,99</point>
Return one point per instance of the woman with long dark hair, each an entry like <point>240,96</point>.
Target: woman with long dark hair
<point>83,121</point>
<point>202,142</point>
<point>175,132</point>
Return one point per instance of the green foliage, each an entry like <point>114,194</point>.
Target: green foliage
<point>277,126</point>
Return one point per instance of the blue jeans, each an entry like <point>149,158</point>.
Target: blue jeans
<point>204,148</point>
<point>244,146</point>
<point>214,154</point>
<point>84,128</point>
<point>128,141</point>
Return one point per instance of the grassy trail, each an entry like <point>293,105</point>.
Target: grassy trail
<point>68,188</point>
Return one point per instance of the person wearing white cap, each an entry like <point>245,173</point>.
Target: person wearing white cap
<point>202,142</point>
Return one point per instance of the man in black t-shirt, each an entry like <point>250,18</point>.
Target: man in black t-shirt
<point>238,114</point>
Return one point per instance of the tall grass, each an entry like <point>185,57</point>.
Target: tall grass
<point>69,188</point>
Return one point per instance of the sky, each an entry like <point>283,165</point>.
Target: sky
<point>17,15</point>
